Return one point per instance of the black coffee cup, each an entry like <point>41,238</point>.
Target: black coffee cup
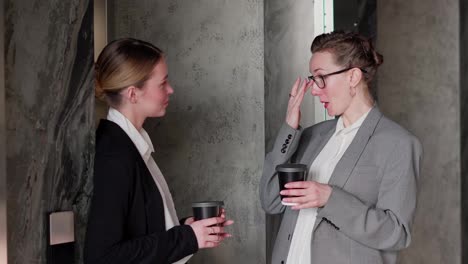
<point>207,209</point>
<point>290,172</point>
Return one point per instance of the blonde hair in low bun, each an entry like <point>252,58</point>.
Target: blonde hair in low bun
<point>98,91</point>
<point>123,63</point>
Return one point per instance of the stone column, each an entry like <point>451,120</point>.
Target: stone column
<point>49,119</point>
<point>419,87</point>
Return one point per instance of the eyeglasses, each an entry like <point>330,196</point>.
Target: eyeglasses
<point>319,80</point>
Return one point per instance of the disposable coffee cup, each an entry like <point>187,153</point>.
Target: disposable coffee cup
<point>207,209</point>
<point>290,172</point>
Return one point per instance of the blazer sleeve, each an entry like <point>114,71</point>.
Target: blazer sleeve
<point>106,239</point>
<point>387,224</point>
<point>285,145</point>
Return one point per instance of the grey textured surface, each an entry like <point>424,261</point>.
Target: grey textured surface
<point>288,37</point>
<point>289,31</point>
<point>50,133</point>
<point>419,88</point>
<point>210,145</point>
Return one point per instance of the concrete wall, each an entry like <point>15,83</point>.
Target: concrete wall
<point>210,145</point>
<point>289,31</point>
<point>419,87</point>
<point>50,134</point>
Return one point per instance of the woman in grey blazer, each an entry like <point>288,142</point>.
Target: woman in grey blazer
<point>357,204</point>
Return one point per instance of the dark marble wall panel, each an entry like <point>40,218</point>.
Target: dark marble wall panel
<point>210,145</point>
<point>464,123</point>
<point>49,114</point>
<point>419,87</point>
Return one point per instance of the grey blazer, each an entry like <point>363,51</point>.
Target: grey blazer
<point>368,216</point>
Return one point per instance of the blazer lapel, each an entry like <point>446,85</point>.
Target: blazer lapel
<point>347,163</point>
<point>351,156</point>
<point>314,146</point>
<point>310,152</point>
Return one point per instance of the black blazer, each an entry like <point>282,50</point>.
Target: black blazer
<point>126,220</point>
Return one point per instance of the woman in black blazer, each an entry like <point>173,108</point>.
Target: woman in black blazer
<point>132,214</point>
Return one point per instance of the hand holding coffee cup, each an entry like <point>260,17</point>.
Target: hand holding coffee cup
<point>307,194</point>
<point>287,173</point>
<point>209,224</point>
<point>207,232</point>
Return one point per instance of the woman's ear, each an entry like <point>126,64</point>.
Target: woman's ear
<point>130,94</point>
<point>355,77</point>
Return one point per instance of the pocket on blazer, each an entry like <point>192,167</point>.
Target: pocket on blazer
<point>329,244</point>
<point>363,254</point>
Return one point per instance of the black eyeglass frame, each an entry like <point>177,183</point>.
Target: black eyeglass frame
<point>313,78</point>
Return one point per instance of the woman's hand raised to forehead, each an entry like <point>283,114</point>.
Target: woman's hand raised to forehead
<point>298,90</point>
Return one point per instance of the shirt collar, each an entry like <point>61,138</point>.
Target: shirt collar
<point>140,138</point>
<point>340,129</point>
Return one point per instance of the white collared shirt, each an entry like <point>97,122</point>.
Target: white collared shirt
<point>144,145</point>
<point>320,171</point>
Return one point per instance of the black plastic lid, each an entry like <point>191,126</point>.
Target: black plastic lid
<point>208,204</point>
<point>291,167</point>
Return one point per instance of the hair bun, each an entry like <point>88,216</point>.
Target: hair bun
<point>368,47</point>
<point>378,58</point>
<point>98,90</point>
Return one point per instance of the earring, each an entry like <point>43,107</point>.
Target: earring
<point>352,91</point>
<point>132,97</point>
